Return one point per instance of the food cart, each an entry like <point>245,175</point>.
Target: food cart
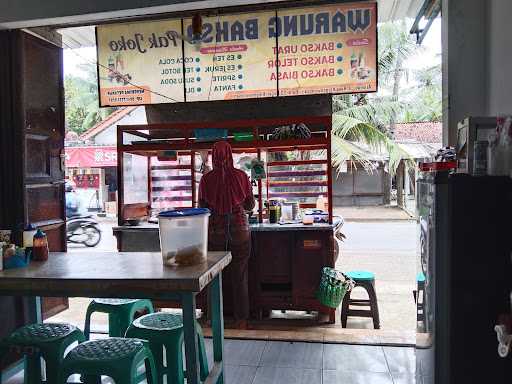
<point>160,166</point>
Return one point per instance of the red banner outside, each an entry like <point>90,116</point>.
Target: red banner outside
<point>91,157</point>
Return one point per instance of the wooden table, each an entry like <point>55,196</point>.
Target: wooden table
<point>131,275</point>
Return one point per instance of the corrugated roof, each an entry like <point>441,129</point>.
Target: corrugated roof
<point>420,150</point>
<point>109,121</point>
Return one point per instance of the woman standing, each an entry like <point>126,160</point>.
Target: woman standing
<point>227,192</point>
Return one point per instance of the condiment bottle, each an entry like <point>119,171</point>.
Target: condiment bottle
<point>28,236</point>
<point>2,244</point>
<point>320,203</point>
<point>40,247</point>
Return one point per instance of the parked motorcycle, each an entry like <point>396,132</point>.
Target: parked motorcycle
<point>83,229</point>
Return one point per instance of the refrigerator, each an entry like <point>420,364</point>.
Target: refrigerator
<point>465,226</point>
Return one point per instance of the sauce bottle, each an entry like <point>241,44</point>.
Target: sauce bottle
<point>320,203</point>
<point>40,246</point>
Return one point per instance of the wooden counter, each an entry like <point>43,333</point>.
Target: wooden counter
<point>284,269</point>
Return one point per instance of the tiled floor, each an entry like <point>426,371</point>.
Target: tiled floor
<point>278,329</point>
<point>276,362</point>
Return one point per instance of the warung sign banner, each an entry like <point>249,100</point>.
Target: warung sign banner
<point>295,51</point>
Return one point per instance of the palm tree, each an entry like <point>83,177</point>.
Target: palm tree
<point>363,118</point>
<point>428,89</point>
<point>81,100</point>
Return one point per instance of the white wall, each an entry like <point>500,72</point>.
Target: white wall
<point>109,135</point>
<point>500,57</point>
<point>465,89</point>
<point>477,61</point>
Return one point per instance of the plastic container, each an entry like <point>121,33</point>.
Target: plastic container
<point>243,136</point>
<point>184,236</point>
<point>28,236</point>
<point>210,134</point>
<point>20,259</point>
<point>321,203</point>
<point>2,245</point>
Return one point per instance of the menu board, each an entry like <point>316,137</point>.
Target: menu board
<point>231,62</point>
<point>294,51</point>
<point>327,49</point>
<point>140,63</point>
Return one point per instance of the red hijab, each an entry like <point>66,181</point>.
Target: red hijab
<point>224,187</point>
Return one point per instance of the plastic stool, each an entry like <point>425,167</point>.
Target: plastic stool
<point>419,296</point>
<point>115,357</point>
<point>166,330</point>
<point>365,280</point>
<point>49,341</point>
<point>121,313</point>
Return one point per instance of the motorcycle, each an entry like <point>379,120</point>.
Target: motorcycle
<point>83,229</point>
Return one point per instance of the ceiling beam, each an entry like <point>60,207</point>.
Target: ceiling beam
<point>34,13</point>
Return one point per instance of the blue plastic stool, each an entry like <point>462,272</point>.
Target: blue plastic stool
<point>365,280</point>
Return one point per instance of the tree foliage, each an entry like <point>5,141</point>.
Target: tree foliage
<point>425,98</point>
<point>81,100</point>
<point>366,119</point>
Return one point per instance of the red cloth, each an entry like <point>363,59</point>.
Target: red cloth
<point>224,187</point>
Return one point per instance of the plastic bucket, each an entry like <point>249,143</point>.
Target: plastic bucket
<point>184,236</point>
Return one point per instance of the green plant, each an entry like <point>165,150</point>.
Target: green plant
<point>81,100</point>
<point>365,121</point>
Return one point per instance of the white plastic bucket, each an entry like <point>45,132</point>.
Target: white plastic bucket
<point>184,236</point>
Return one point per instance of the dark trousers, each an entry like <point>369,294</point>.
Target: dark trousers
<point>239,244</point>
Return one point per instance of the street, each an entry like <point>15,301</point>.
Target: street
<point>388,249</point>
<point>108,241</point>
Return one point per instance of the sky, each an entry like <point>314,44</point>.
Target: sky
<point>429,56</point>
<point>432,48</point>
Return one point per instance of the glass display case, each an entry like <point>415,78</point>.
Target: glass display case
<point>160,165</point>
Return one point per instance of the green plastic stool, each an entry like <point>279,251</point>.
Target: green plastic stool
<point>166,330</point>
<point>419,296</point>
<point>48,341</point>
<point>365,280</point>
<point>361,275</point>
<point>121,313</point>
<point>115,357</point>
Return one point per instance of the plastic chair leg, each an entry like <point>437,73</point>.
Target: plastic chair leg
<point>33,369</point>
<point>52,370</point>
<point>115,326</point>
<point>175,373</point>
<point>344,310</point>
<point>203,360</point>
<point>372,295</point>
<point>64,375</point>
<point>151,372</point>
<point>87,325</point>
<point>91,379</point>
<point>158,355</point>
